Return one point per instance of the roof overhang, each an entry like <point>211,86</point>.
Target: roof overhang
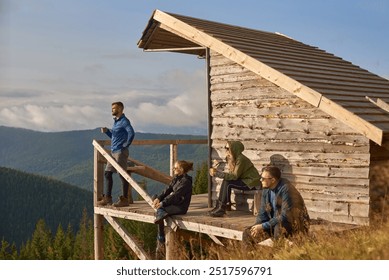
<point>160,37</point>
<point>165,32</point>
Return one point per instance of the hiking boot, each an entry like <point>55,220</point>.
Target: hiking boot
<point>122,202</point>
<point>106,200</point>
<point>217,206</point>
<point>219,212</point>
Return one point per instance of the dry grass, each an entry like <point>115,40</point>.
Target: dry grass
<point>360,244</point>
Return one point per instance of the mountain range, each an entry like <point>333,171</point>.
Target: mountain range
<point>27,198</point>
<point>49,175</point>
<point>68,156</point>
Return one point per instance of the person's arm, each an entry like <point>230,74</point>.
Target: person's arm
<point>286,205</point>
<point>263,215</point>
<point>107,131</point>
<point>167,191</point>
<point>237,172</point>
<point>130,134</point>
<point>176,198</point>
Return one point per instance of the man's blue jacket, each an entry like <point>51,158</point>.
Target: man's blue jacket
<point>121,134</point>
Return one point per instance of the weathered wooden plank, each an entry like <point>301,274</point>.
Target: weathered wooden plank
<point>292,145</point>
<point>233,132</point>
<point>328,126</point>
<point>338,218</point>
<point>126,236</point>
<point>339,212</point>
<point>340,197</point>
<point>314,158</point>
<point>352,120</point>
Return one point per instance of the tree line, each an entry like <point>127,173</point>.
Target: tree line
<point>68,244</point>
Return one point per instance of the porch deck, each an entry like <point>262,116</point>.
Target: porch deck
<point>230,226</point>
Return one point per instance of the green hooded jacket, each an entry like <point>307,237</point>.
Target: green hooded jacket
<point>244,168</point>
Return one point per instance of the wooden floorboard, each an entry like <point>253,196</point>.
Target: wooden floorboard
<point>230,226</point>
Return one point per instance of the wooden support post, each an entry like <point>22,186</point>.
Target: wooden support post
<point>171,252</point>
<point>98,184</point>
<point>98,232</point>
<point>173,157</point>
<point>210,125</point>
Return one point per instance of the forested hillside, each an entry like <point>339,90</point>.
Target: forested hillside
<point>68,156</point>
<point>26,198</point>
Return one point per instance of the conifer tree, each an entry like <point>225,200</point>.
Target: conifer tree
<point>62,244</point>
<point>7,251</point>
<point>41,242</point>
<point>200,184</point>
<point>83,243</point>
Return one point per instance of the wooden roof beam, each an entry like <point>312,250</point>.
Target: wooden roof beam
<point>176,49</point>
<point>192,34</point>
<point>352,120</point>
<point>311,96</point>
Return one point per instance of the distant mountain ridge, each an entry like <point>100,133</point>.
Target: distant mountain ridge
<point>68,156</point>
<point>26,198</point>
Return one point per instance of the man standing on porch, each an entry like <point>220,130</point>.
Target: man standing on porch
<point>122,134</point>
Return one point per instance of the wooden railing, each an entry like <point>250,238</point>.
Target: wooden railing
<point>102,156</point>
<point>139,168</point>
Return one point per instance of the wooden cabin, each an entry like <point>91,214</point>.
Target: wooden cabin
<point>321,119</point>
<point>324,121</point>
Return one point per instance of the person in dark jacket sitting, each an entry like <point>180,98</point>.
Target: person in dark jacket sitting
<point>282,211</point>
<point>175,199</point>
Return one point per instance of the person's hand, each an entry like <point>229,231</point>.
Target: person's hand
<point>104,130</point>
<point>212,171</point>
<point>256,230</point>
<point>156,203</point>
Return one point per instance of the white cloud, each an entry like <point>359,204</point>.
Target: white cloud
<point>188,108</point>
<point>51,118</point>
<point>179,103</point>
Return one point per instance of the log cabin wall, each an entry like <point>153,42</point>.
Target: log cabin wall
<point>326,160</point>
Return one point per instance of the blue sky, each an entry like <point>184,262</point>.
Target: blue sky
<point>62,63</point>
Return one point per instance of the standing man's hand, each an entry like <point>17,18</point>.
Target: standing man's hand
<point>104,130</point>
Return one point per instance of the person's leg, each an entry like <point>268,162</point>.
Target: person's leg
<point>223,188</point>
<point>161,214</point>
<point>225,195</point>
<point>108,183</point>
<point>107,198</point>
<point>122,158</point>
<point>235,184</point>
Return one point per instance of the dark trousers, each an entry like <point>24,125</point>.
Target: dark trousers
<point>109,184</point>
<point>171,210</point>
<point>226,188</point>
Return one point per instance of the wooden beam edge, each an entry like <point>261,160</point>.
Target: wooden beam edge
<point>126,236</point>
<point>354,121</point>
<point>305,93</point>
<point>192,34</point>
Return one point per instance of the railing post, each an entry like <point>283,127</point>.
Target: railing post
<point>98,184</point>
<point>173,157</point>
